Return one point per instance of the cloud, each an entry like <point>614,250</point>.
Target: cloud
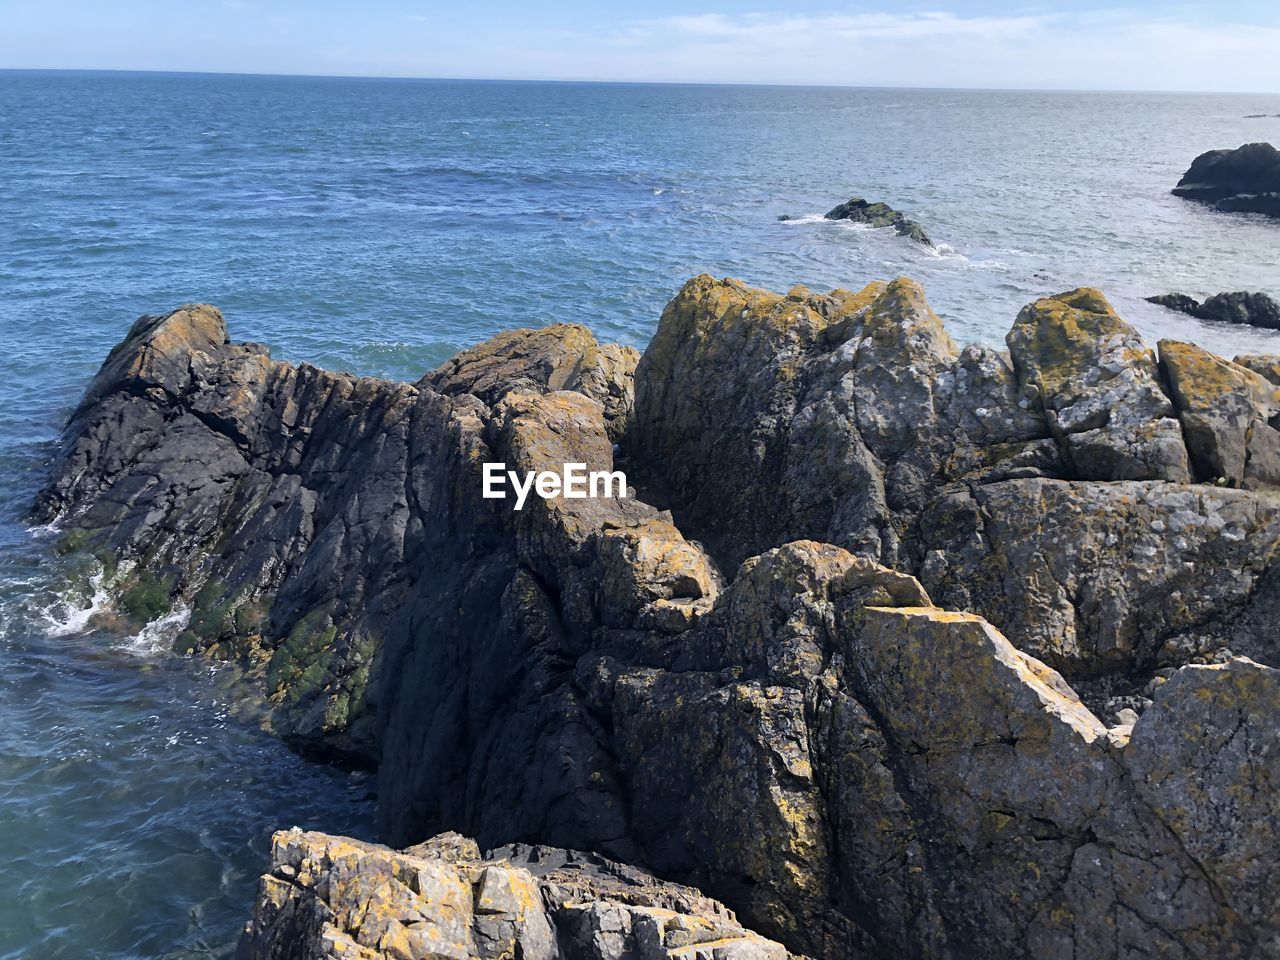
<point>1111,49</point>
<point>791,29</point>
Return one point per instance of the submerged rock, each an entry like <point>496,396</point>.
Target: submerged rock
<point>1255,309</point>
<point>824,662</point>
<point>1243,180</point>
<point>858,210</point>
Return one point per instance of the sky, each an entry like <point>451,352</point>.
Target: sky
<point>1232,45</point>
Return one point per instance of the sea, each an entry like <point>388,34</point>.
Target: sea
<point>379,226</point>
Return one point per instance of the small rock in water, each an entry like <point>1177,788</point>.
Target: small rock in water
<point>1253,309</point>
<point>858,210</point>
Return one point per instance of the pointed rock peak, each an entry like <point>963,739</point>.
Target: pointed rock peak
<point>196,326</point>
<point>900,315</point>
<point>1098,384</point>
<point>158,350</point>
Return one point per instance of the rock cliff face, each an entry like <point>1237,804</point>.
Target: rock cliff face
<point>1243,180</point>
<point>898,649</point>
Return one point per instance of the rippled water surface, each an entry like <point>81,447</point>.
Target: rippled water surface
<point>378,226</point>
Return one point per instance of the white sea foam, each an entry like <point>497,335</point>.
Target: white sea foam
<point>72,615</point>
<point>807,218</point>
<point>158,635</point>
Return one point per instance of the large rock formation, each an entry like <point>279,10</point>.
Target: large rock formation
<point>1243,180</point>
<point>825,663</point>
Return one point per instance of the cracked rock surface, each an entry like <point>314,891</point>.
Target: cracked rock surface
<point>896,648</point>
<point>329,897</point>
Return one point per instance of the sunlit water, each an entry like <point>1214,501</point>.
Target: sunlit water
<point>378,226</point>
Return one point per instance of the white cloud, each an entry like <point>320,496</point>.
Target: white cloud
<point>1113,49</point>
<point>763,28</point>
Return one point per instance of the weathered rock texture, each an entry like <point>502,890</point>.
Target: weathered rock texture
<point>329,897</point>
<point>1243,180</point>
<point>825,664</point>
<point>857,210</point>
<point>1254,309</point>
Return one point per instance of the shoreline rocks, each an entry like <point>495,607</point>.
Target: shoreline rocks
<point>896,648</point>
<point>1243,180</point>
<point>327,897</point>
<point>1241,307</point>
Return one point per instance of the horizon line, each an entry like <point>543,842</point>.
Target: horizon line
<point>617,82</point>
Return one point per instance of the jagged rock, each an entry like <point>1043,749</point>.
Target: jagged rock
<point>1098,385</point>
<point>560,357</point>
<point>298,512</point>
<point>1244,180</point>
<point>862,211</point>
<point>1266,366</point>
<point>1226,411</point>
<point>329,897</point>
<point>1095,577</point>
<point>765,418</point>
<point>1254,309</point>
<point>783,718</point>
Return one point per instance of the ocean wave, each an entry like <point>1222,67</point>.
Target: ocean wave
<point>72,614</point>
<point>158,635</point>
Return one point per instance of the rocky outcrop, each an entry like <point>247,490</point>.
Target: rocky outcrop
<point>1254,309</point>
<point>858,210</point>
<point>897,649</point>
<point>1097,384</point>
<point>1243,180</point>
<point>1226,411</point>
<point>328,897</point>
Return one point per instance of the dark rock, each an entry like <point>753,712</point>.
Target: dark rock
<point>857,210</point>
<point>1254,309</point>
<point>1243,180</point>
<point>1176,301</point>
<point>783,718</point>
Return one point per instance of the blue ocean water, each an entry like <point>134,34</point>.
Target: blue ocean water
<point>380,225</point>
